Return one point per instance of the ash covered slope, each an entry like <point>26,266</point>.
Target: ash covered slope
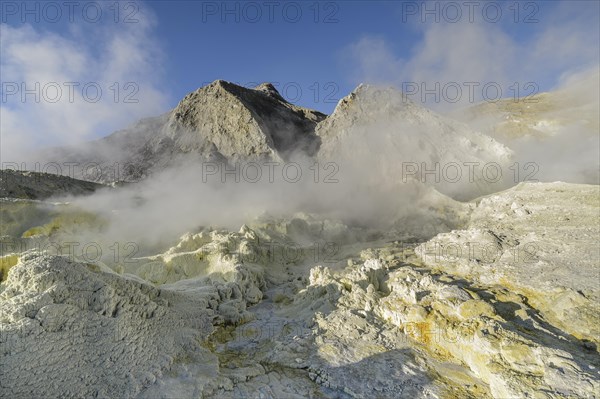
<point>218,122</point>
<point>89,332</point>
<point>539,115</point>
<point>380,130</point>
<point>40,186</point>
<point>556,130</point>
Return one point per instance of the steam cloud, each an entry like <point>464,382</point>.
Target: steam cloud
<point>369,191</point>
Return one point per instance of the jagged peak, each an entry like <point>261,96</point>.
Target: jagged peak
<point>222,84</point>
<point>235,89</point>
<point>270,90</point>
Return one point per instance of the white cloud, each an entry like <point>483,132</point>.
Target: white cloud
<point>484,52</point>
<point>105,55</point>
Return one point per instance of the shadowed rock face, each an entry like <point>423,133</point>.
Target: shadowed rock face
<point>39,186</point>
<point>221,122</point>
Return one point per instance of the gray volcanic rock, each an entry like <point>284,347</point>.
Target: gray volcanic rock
<point>39,186</point>
<point>221,122</point>
<point>269,89</point>
<point>242,123</point>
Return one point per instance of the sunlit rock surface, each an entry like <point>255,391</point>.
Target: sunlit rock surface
<point>541,242</point>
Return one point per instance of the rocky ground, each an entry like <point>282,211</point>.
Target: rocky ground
<point>257,313</point>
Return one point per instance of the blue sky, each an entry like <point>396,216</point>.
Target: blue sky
<point>169,48</point>
<point>304,46</point>
<point>303,54</point>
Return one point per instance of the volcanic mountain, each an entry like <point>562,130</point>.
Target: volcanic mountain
<point>220,122</point>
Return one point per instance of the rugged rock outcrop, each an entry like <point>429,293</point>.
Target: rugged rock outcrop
<point>220,122</point>
<point>242,124</point>
<point>112,335</point>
